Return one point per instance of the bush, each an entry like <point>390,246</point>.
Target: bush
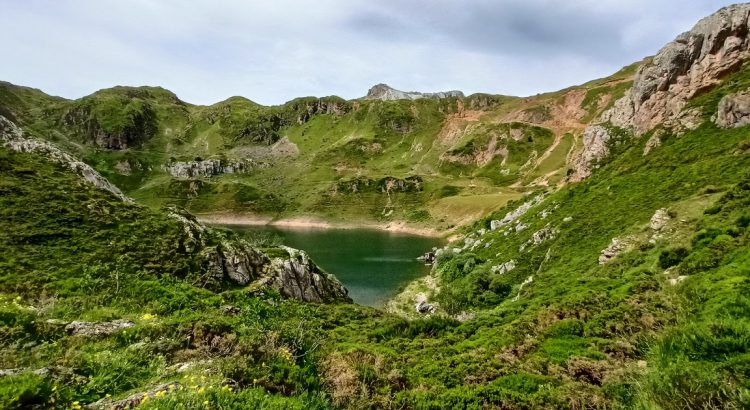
<point>500,287</point>
<point>672,257</point>
<point>743,221</point>
<point>567,327</point>
<point>24,391</point>
<point>700,261</point>
<point>448,190</point>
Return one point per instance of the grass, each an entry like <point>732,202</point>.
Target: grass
<point>336,140</point>
<point>663,325</point>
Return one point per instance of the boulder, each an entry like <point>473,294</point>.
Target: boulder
<point>423,307</point>
<point>660,219</point>
<point>734,110</point>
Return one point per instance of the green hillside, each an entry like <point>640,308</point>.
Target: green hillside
<point>299,154</point>
<point>599,255</point>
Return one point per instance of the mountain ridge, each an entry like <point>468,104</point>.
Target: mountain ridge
<point>600,255</point>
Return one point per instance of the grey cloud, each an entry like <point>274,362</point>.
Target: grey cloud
<point>271,52</point>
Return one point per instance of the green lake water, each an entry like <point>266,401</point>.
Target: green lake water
<point>372,264</point>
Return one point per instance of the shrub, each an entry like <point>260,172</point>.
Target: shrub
<point>701,260</point>
<point>743,221</point>
<point>448,190</point>
<point>500,287</point>
<point>672,257</point>
<point>26,390</point>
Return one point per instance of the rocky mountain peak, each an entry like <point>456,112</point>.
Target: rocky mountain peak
<point>694,62</point>
<point>384,92</point>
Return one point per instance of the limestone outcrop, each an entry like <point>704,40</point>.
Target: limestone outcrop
<point>207,168</point>
<point>385,92</point>
<point>384,185</point>
<point>97,328</point>
<point>596,146</point>
<point>13,138</point>
<point>734,110</point>
<point>288,270</point>
<point>694,62</point>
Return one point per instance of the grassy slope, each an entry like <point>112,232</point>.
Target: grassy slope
<point>370,139</point>
<point>580,335</point>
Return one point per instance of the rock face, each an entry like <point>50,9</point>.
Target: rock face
<point>12,138</point>
<point>693,63</point>
<point>385,185</point>
<point>384,92</point>
<point>298,277</point>
<point>288,270</point>
<point>512,216</point>
<point>322,106</point>
<point>596,146</point>
<point>734,110</point>
<point>132,122</point>
<point>207,168</point>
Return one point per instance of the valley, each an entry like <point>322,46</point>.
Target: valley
<point>590,247</point>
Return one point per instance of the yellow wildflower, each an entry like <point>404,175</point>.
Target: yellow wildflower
<point>161,393</point>
<point>148,316</point>
<point>201,390</point>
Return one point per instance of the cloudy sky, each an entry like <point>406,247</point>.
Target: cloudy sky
<point>272,51</point>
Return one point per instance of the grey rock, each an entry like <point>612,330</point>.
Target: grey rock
<point>97,328</point>
<point>660,219</point>
<point>596,141</point>
<point>504,267</point>
<point>424,307</point>
<point>298,277</point>
<point>384,92</point>
<point>12,138</point>
<point>615,248</point>
<point>734,110</point>
<point>694,62</point>
<point>207,168</point>
<point>513,215</point>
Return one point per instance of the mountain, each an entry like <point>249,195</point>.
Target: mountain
<point>602,258</point>
<point>384,92</point>
<point>317,157</point>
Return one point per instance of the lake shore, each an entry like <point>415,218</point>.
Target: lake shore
<point>314,223</point>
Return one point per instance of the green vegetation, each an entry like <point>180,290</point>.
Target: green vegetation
<point>302,149</point>
<point>532,314</point>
